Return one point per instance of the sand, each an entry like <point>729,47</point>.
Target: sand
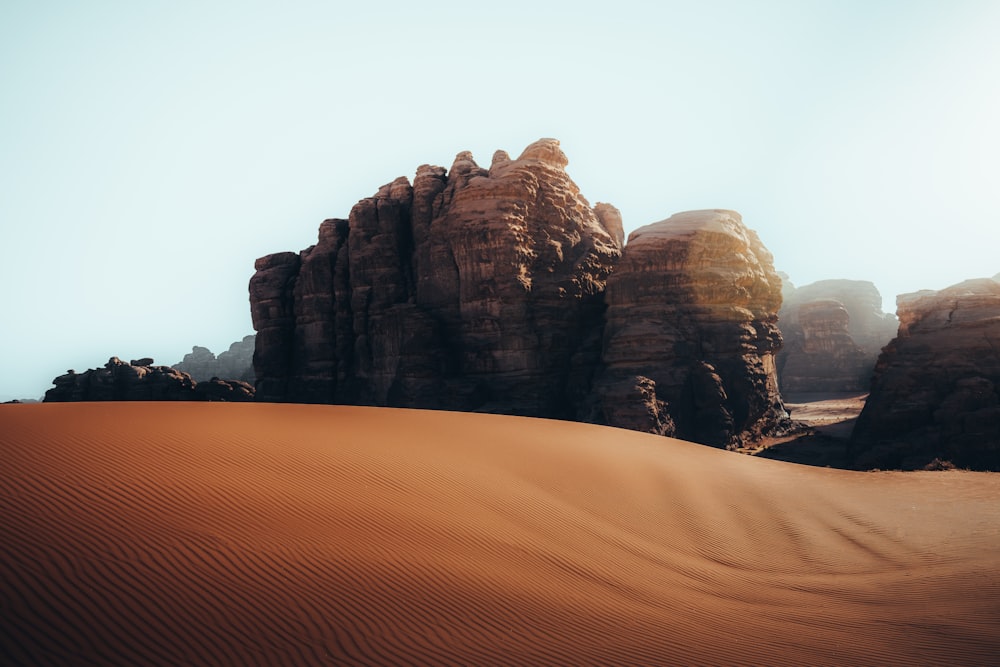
<point>242,534</point>
<point>827,420</point>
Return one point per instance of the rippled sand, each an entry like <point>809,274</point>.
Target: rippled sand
<point>245,534</point>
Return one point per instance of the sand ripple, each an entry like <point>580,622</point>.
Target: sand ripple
<point>172,533</point>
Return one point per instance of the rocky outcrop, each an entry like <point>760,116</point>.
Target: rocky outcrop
<point>229,391</point>
<point>486,289</point>
<point>691,332</point>
<point>471,289</point>
<point>935,390</point>
<point>142,381</point>
<point>833,332</point>
<point>236,363</point>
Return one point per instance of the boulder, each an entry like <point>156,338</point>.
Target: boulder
<point>119,381</point>
<point>934,393</point>
<point>227,391</point>
<point>691,321</point>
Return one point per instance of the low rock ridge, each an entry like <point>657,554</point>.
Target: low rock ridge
<point>486,289</point>
<point>236,363</point>
<point>934,397</point>
<point>140,380</point>
<point>834,331</point>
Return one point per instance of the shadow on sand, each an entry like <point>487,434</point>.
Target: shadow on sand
<point>827,420</point>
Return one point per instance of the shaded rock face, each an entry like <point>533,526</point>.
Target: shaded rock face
<point>469,289</point>
<point>935,390</point>
<point>486,289</point>
<point>119,381</point>
<point>236,363</point>
<point>833,332</point>
<point>691,327</point>
<point>229,391</point>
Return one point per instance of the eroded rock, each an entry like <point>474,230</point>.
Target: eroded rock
<point>692,312</point>
<point>142,381</point>
<point>833,332</point>
<point>236,363</point>
<point>472,289</point>
<point>934,394</point>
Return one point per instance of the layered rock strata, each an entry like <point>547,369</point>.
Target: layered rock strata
<point>236,363</point>
<point>833,332</point>
<point>485,289</point>
<point>691,327</point>
<point>935,390</point>
<point>142,381</point>
<point>469,289</point>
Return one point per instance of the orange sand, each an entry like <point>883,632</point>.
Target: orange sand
<point>241,534</point>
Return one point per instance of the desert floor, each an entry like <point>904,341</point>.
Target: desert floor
<point>255,534</point>
<point>827,421</point>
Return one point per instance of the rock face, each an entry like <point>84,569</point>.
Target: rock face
<point>236,363</point>
<point>935,390</point>
<point>691,329</point>
<point>833,332</point>
<point>485,289</point>
<point>471,289</point>
<point>119,381</point>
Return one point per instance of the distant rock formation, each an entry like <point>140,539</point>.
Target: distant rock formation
<point>119,381</point>
<point>935,390</point>
<point>691,326</point>
<point>484,289</point>
<point>833,332</point>
<point>472,289</point>
<point>236,363</point>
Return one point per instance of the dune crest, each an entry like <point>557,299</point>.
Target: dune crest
<point>196,533</point>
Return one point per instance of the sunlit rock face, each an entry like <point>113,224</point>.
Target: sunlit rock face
<point>935,390</point>
<point>691,333</point>
<point>469,289</point>
<point>502,289</point>
<point>833,332</point>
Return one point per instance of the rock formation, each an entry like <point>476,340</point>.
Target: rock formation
<point>484,289</point>
<point>691,328</point>
<point>833,332</point>
<point>236,363</point>
<point>471,289</point>
<point>935,390</point>
<point>119,381</point>
<point>229,391</point>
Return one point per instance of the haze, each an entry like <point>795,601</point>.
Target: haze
<point>149,152</point>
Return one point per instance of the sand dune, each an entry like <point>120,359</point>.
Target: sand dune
<point>188,533</point>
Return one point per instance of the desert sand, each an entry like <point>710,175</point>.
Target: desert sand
<point>256,534</point>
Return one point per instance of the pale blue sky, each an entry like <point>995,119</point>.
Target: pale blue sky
<point>150,151</point>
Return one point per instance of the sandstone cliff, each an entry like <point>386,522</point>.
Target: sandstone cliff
<point>140,380</point>
<point>236,363</point>
<point>471,289</point>
<point>484,289</point>
<point>691,332</point>
<point>934,394</point>
<point>833,332</point>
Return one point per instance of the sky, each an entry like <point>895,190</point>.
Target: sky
<point>151,151</point>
